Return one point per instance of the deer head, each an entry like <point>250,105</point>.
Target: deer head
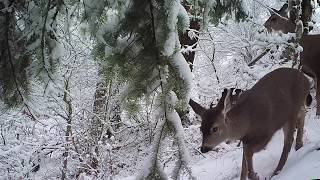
<point>214,127</point>
<point>280,21</point>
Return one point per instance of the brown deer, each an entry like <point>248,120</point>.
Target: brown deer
<point>310,56</point>
<point>276,101</point>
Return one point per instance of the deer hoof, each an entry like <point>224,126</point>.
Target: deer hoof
<point>276,172</point>
<point>253,176</point>
<point>298,146</point>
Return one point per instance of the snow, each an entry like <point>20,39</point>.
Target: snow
<point>152,161</point>
<point>207,6</point>
<point>175,12</point>
<point>174,118</point>
<point>234,72</point>
<point>18,156</point>
<point>181,63</point>
<point>183,17</point>
<point>226,164</point>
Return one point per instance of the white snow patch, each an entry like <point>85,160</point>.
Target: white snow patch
<point>181,63</point>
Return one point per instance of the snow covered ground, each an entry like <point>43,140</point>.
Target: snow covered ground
<point>303,164</point>
<point>226,164</point>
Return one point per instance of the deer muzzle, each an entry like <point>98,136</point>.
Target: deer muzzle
<point>205,149</point>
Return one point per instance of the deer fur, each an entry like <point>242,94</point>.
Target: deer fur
<point>310,56</point>
<point>276,101</point>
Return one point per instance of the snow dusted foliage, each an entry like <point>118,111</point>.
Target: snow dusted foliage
<point>132,47</point>
<point>17,158</point>
<point>152,167</point>
<point>226,50</point>
<point>146,48</point>
<point>29,46</point>
<point>51,142</point>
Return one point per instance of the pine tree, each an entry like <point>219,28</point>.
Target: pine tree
<point>141,39</point>
<point>28,46</point>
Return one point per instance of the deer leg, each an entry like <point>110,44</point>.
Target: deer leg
<point>288,139</point>
<point>300,127</point>
<point>244,170</point>
<point>248,152</point>
<point>318,95</point>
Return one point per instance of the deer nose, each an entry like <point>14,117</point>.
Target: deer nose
<point>204,149</point>
<point>261,30</point>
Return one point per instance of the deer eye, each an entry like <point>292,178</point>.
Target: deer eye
<point>215,129</point>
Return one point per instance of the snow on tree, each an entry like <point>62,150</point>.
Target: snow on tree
<point>100,119</point>
<point>141,40</point>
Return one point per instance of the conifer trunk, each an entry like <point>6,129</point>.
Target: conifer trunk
<point>99,114</point>
<point>186,40</point>
<point>306,15</point>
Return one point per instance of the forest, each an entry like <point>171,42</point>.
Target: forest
<point>159,89</point>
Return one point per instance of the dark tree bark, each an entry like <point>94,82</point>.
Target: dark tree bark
<point>186,40</point>
<point>306,15</point>
<point>99,114</point>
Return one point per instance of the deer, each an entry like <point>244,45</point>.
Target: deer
<point>276,101</point>
<point>310,56</point>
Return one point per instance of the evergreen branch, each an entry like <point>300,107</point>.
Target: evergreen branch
<point>43,31</point>
<point>168,115</point>
<point>155,164</point>
<point>13,69</point>
<point>60,3</point>
<point>155,148</point>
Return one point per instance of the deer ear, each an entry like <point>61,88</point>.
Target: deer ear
<point>197,108</point>
<point>223,96</point>
<point>284,8</point>
<point>272,11</point>
<point>227,102</point>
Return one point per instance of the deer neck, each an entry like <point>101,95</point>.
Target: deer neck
<point>239,124</point>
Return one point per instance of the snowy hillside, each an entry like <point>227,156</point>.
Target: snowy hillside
<point>232,72</point>
<point>226,164</point>
<point>301,164</point>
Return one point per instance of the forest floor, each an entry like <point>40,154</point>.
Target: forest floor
<point>226,164</point>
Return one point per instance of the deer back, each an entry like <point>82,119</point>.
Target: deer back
<point>271,102</point>
<point>265,108</point>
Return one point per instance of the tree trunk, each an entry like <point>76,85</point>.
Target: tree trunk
<point>68,133</point>
<point>106,109</point>
<point>186,40</point>
<point>306,15</point>
<point>96,126</point>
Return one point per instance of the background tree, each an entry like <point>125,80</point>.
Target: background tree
<point>28,47</point>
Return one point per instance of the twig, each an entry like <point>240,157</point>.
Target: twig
<point>258,57</point>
